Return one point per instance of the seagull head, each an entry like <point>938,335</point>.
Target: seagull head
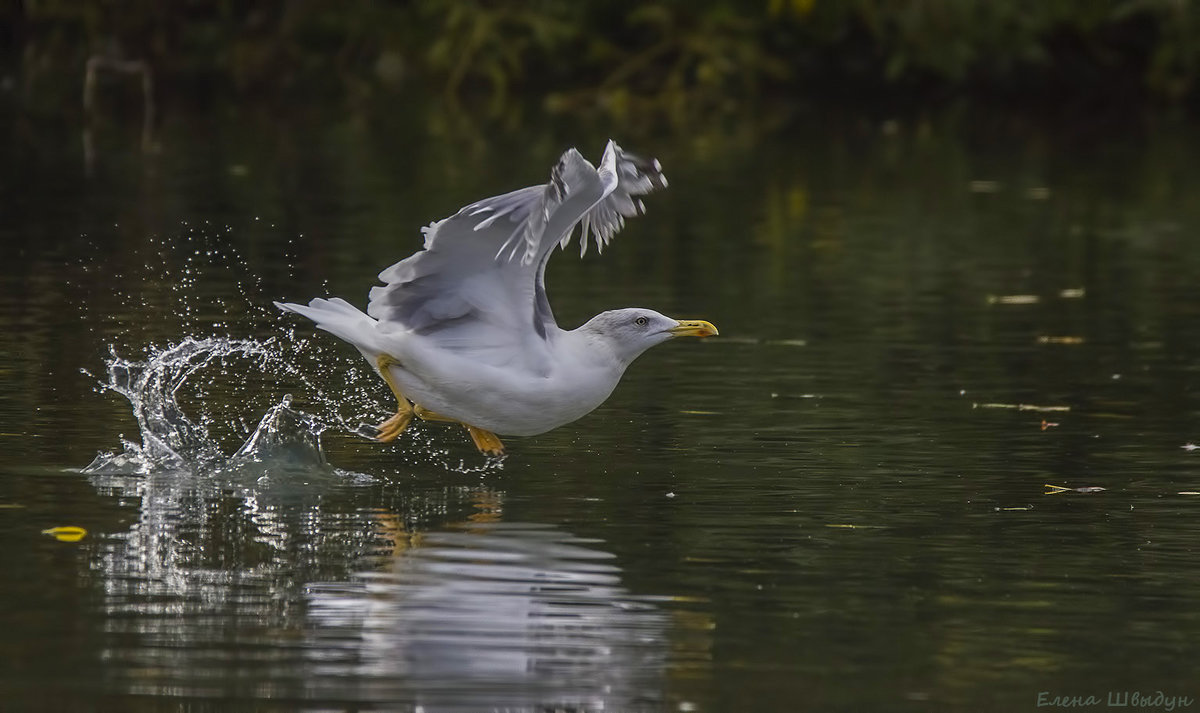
<point>629,332</point>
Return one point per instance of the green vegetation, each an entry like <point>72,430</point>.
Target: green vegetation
<point>671,56</point>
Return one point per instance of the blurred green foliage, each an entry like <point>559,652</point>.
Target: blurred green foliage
<point>674,57</point>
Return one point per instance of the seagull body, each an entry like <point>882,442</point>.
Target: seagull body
<point>463,328</point>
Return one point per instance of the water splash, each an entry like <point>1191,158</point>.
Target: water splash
<point>170,440</point>
<point>285,437</point>
<point>284,434</point>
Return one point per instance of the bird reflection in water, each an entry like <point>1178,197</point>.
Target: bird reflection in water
<point>489,613</point>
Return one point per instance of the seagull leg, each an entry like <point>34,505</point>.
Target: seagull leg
<point>426,415</point>
<point>394,426</point>
<point>390,429</point>
<point>487,442</point>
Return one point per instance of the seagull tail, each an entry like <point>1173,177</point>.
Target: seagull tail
<point>341,319</point>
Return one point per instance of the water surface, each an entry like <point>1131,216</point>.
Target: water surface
<point>841,504</point>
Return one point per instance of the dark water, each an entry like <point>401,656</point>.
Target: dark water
<point>840,504</point>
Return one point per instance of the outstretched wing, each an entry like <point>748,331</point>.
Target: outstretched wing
<point>478,283</point>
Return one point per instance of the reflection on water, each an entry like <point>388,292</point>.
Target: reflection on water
<point>199,592</point>
<point>516,616</point>
<point>202,596</point>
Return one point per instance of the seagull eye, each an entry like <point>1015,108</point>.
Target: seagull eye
<point>641,321</point>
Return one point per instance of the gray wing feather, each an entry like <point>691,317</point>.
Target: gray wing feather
<point>479,280</point>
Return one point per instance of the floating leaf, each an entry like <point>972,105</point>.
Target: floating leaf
<point>1056,489</point>
<point>1013,299</point>
<point>1024,407</point>
<point>1048,339</point>
<point>66,533</point>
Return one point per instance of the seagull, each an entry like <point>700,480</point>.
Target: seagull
<point>462,330</point>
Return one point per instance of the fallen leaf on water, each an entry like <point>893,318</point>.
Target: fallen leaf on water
<point>1048,339</point>
<point>1056,489</point>
<point>1072,293</point>
<point>1013,299</point>
<point>66,533</point>
<point>1022,407</point>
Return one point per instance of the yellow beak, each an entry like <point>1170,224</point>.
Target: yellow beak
<point>693,328</point>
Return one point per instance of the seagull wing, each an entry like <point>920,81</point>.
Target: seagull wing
<point>478,283</point>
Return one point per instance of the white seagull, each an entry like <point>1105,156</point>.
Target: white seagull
<point>462,330</point>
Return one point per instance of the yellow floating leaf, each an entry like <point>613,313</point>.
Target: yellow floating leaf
<point>66,533</point>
